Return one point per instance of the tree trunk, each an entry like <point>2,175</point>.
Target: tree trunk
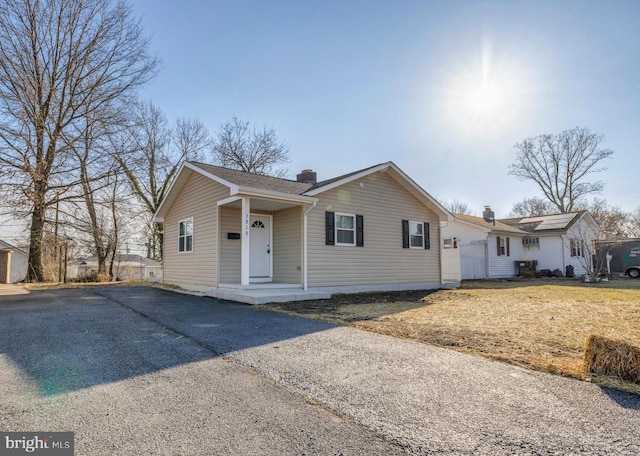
<point>35,272</point>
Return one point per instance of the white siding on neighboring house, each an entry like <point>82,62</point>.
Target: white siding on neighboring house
<point>472,246</point>
<point>503,266</point>
<point>581,230</point>
<point>383,203</point>
<point>197,199</point>
<point>549,253</point>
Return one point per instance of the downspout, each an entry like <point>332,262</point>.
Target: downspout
<point>443,224</point>
<point>564,266</point>
<point>304,245</point>
<point>486,259</point>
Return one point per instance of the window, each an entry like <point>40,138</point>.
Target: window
<point>415,235</point>
<point>530,241</point>
<point>577,247</point>
<point>344,229</point>
<point>185,236</point>
<point>503,246</point>
<point>450,243</point>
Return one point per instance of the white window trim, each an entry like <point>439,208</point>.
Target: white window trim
<point>448,243</point>
<point>353,216</point>
<point>190,219</point>
<point>410,235</point>
<point>503,246</point>
<point>577,246</point>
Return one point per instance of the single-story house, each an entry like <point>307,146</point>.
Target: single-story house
<point>13,263</point>
<point>491,248</point>
<point>125,267</point>
<point>488,247</point>
<point>227,232</point>
<point>559,240</point>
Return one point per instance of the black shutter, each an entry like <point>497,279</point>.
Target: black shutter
<point>427,240</point>
<point>405,234</point>
<point>330,219</point>
<point>498,242</point>
<point>359,231</point>
<point>508,251</point>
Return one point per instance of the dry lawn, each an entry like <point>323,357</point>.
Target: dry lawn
<point>542,325</point>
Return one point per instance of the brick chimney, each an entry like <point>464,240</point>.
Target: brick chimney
<point>488,215</point>
<point>308,177</point>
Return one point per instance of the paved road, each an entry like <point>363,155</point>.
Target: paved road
<point>203,352</point>
<point>72,360</point>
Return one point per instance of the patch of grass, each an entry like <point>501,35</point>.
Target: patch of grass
<point>538,324</point>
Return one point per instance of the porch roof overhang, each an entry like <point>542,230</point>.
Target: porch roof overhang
<point>266,200</point>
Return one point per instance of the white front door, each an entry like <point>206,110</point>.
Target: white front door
<point>260,266</point>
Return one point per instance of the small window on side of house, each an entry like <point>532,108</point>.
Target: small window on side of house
<point>185,236</point>
<point>577,247</point>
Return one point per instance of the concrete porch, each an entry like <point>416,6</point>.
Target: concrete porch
<point>263,293</point>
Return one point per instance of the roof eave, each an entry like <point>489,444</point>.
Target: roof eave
<point>430,201</point>
<point>273,195</point>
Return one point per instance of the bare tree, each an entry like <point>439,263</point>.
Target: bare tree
<point>457,207</point>
<point>532,207</point>
<point>191,139</point>
<point>611,220</point>
<point>559,165</point>
<point>150,154</point>
<point>633,224</point>
<point>247,148</point>
<point>54,57</point>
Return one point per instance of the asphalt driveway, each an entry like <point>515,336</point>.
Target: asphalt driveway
<point>225,372</point>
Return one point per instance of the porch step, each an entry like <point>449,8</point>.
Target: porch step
<point>264,296</point>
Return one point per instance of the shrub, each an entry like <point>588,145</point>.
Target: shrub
<point>612,357</point>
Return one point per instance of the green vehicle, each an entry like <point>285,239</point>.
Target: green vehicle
<point>625,257</point>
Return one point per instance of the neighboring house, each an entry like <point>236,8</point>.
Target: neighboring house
<point>372,229</point>
<point>13,263</point>
<point>559,240</point>
<point>490,248</point>
<point>125,267</point>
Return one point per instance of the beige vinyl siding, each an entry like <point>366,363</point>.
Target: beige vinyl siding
<point>287,245</point>
<point>384,204</point>
<point>230,249</point>
<point>197,199</point>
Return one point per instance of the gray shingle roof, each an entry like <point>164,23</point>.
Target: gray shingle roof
<point>258,181</point>
<point>344,176</point>
<point>277,184</point>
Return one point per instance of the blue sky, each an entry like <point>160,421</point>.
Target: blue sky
<point>348,84</point>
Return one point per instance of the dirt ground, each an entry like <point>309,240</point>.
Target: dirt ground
<point>537,324</point>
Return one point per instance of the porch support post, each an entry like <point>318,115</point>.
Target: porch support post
<point>305,249</point>
<point>246,245</point>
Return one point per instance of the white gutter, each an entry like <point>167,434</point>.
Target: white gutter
<point>304,244</point>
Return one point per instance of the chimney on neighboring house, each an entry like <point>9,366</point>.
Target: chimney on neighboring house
<point>488,215</point>
<point>308,177</point>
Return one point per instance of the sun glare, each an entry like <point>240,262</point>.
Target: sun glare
<point>485,97</point>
